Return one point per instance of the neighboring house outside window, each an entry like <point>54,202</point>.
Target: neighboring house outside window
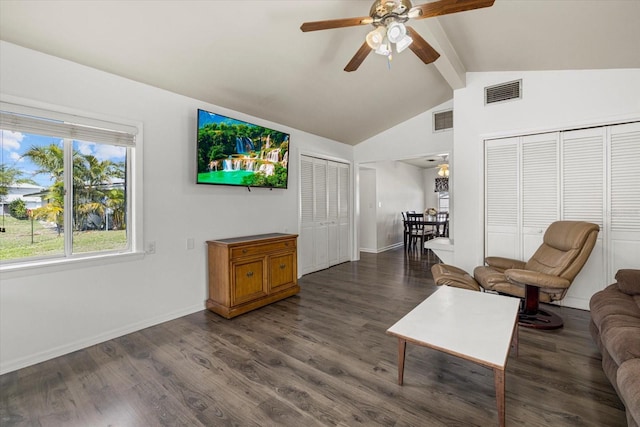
<point>66,186</point>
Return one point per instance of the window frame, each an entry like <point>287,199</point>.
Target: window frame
<point>134,167</point>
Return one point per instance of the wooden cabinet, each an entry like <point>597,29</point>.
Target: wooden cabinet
<point>249,272</point>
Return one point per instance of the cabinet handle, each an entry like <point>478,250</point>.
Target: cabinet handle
<point>250,274</point>
<point>286,243</point>
<point>244,251</point>
<point>282,266</point>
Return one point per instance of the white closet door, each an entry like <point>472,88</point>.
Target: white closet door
<point>343,213</point>
<point>539,189</point>
<point>625,197</point>
<point>325,224</point>
<point>584,199</point>
<point>502,193</point>
<point>332,207</point>
<point>305,240</point>
<point>321,229</point>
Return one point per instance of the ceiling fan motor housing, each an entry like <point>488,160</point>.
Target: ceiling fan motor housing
<point>384,12</point>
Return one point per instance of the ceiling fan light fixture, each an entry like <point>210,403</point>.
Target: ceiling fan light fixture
<point>384,49</point>
<point>396,31</point>
<point>443,170</point>
<point>376,37</point>
<point>403,44</point>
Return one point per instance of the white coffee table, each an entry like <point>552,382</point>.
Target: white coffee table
<point>476,326</point>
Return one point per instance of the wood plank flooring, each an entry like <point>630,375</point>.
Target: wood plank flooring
<point>320,358</point>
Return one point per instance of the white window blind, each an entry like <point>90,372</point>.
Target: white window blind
<point>65,128</point>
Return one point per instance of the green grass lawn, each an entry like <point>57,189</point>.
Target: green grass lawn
<point>18,241</point>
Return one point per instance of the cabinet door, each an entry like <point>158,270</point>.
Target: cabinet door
<point>248,281</point>
<point>281,272</point>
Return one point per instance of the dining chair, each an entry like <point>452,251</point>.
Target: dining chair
<point>406,229</point>
<point>418,233</point>
<point>442,230</point>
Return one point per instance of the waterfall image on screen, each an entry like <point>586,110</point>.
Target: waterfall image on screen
<point>234,152</point>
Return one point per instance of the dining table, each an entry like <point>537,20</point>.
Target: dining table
<point>440,228</point>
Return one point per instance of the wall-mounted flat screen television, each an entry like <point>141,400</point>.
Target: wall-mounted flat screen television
<point>235,152</point>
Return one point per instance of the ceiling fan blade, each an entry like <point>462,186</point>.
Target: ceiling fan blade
<point>445,7</point>
<point>421,48</point>
<point>335,23</point>
<point>357,59</point>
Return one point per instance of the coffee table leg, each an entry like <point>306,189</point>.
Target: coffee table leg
<point>498,377</point>
<point>402,346</point>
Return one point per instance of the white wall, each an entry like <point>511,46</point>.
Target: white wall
<point>47,313</point>
<point>368,224</point>
<point>551,100</point>
<point>410,139</point>
<point>400,187</point>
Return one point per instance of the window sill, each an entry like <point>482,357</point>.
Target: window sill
<point>11,271</point>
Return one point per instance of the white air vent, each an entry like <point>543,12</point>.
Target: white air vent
<point>503,92</point>
<point>442,120</point>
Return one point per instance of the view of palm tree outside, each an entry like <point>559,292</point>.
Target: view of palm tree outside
<point>33,194</point>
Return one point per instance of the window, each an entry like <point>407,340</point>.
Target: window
<point>66,186</point>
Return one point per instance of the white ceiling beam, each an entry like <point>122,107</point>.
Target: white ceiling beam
<point>449,64</point>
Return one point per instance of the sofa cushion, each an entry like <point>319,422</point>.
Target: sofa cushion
<point>629,386</point>
<point>611,302</point>
<point>620,336</point>
<point>629,281</point>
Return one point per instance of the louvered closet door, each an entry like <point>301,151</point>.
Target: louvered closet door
<point>539,180</point>
<point>324,210</point>
<point>502,194</point>
<point>625,196</point>
<point>307,200</point>
<point>343,213</point>
<point>321,216</point>
<point>332,220</point>
<point>583,198</point>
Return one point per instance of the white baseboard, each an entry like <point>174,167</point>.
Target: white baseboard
<point>23,362</point>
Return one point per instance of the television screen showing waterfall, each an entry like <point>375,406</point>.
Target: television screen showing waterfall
<point>234,152</point>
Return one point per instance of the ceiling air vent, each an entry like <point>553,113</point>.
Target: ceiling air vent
<point>503,92</point>
<point>442,120</point>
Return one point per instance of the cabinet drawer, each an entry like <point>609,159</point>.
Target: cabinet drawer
<point>281,271</point>
<point>241,251</point>
<point>249,283</point>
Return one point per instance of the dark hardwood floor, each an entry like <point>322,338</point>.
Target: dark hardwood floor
<point>320,358</point>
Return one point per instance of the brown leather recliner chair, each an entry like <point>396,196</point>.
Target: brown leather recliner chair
<point>546,277</point>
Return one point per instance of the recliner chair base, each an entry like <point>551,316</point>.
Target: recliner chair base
<point>531,316</point>
<point>541,320</point>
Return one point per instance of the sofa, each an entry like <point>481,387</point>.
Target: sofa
<point>615,327</point>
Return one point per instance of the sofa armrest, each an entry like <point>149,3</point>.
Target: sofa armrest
<point>629,281</point>
<point>502,264</point>
<point>628,380</point>
<point>535,278</point>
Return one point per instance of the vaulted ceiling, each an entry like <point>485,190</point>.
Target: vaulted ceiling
<point>251,56</point>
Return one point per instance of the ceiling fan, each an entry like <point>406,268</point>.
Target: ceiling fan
<point>389,17</point>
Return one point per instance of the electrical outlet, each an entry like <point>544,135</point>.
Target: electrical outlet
<point>151,248</point>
